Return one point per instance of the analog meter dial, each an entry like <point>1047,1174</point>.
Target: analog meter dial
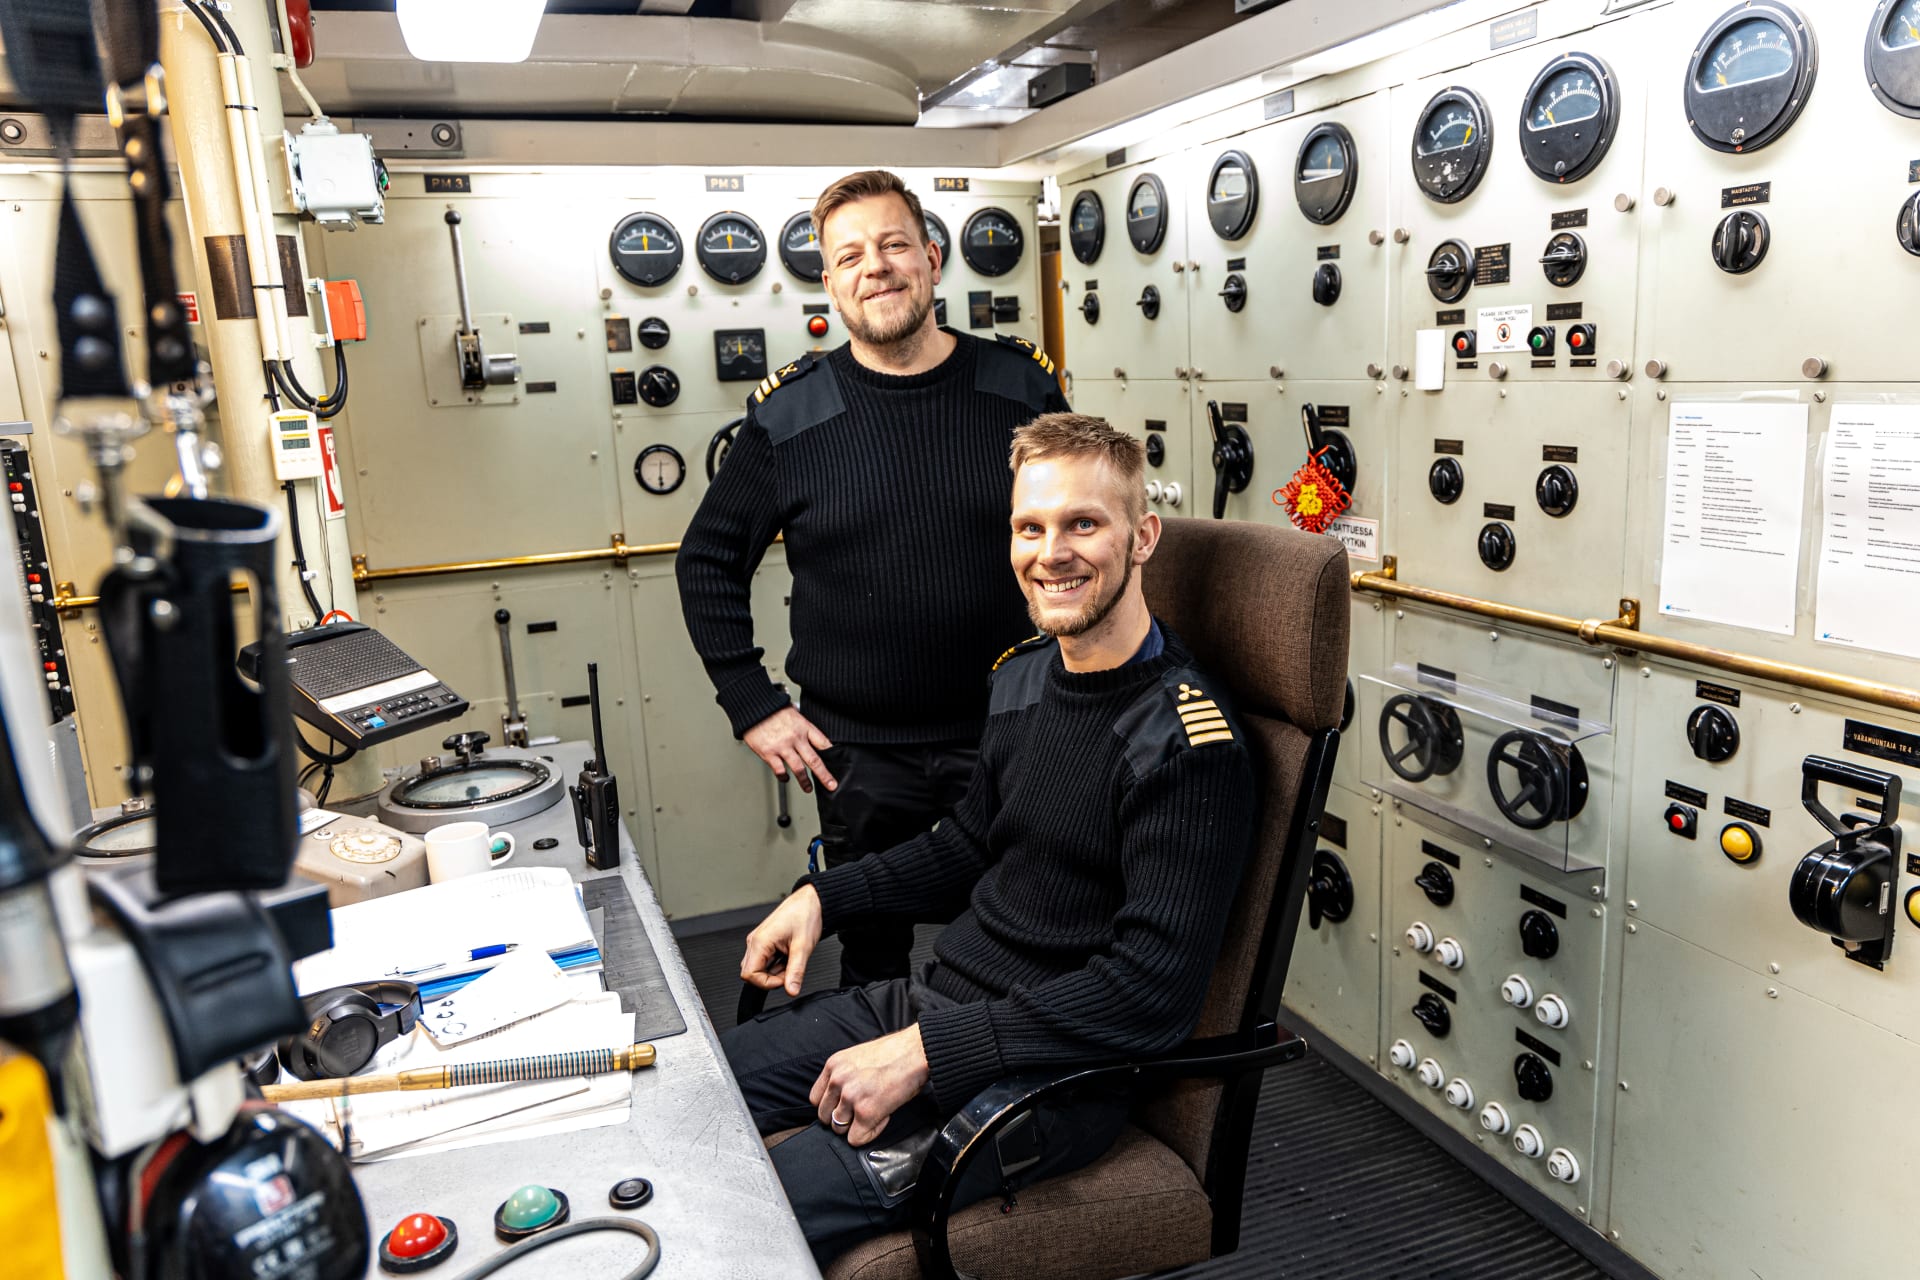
<point>1147,213</point>
<point>646,249</point>
<point>937,234</point>
<point>800,249</point>
<point>1893,55</point>
<point>1233,195</point>
<point>660,469</point>
<point>740,355</point>
<point>1569,119</point>
<point>1325,171</point>
<point>732,247</point>
<point>1451,145</point>
<point>1087,225</point>
<point>1750,76</point>
<point>991,242</point>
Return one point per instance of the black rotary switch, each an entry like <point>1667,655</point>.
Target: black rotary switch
<point>1565,259</point>
<point>1149,303</point>
<point>1156,448</point>
<point>1235,291</point>
<point>1339,458</point>
<point>1539,936</point>
<point>1531,1078</point>
<point>1446,480</point>
<point>1496,547</point>
<point>1232,458</point>
<point>653,333</point>
<point>659,386</point>
<point>1434,1015</point>
<point>1434,743</point>
<point>1450,270</point>
<point>1713,733</point>
<point>1556,490</point>
<point>1329,890</point>
<point>1090,308</point>
<point>1906,228</point>
<point>1741,241</point>
<point>1326,284</point>
<point>1436,882</point>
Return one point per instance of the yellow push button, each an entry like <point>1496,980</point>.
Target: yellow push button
<point>1913,905</point>
<point>1738,842</point>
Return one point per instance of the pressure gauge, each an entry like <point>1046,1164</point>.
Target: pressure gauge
<point>646,249</point>
<point>991,242</point>
<point>1750,76</point>
<point>660,469</point>
<point>1451,145</point>
<point>1087,225</point>
<point>937,234</point>
<point>1569,118</point>
<point>1147,213</point>
<point>1893,55</point>
<point>731,247</point>
<point>800,249</point>
<point>1325,171</point>
<point>1233,195</point>
<point>740,355</point>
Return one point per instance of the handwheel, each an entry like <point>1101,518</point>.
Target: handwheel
<point>718,446</point>
<point>1434,743</point>
<point>1550,779</point>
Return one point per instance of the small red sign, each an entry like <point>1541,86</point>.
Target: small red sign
<point>191,304</point>
<point>330,478</point>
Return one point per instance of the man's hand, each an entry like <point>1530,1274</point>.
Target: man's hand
<point>861,1087</point>
<point>791,746</point>
<point>777,951</point>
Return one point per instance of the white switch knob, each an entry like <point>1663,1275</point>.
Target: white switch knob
<point>1171,492</point>
<point>1563,1165</point>
<point>1450,953</point>
<point>1402,1055</point>
<point>1431,1073</point>
<point>1517,991</point>
<point>1153,491</point>
<point>1553,1011</point>
<point>1528,1142</point>
<point>1460,1094</point>
<point>1419,937</point>
<point>1494,1118</point>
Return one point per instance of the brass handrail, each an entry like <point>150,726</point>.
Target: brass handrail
<point>618,550</point>
<point>1623,633</point>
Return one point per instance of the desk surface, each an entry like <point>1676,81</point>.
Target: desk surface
<point>717,1206</point>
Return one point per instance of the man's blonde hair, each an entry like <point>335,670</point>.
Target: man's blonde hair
<point>1078,435</point>
<point>862,186</point>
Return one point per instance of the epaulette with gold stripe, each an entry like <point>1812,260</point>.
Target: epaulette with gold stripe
<point>1202,717</point>
<point>1031,642</point>
<point>1040,357</point>
<point>784,374</point>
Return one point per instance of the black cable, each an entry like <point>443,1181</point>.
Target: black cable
<point>326,785</point>
<point>233,40</point>
<point>318,756</point>
<point>582,1227</point>
<point>273,393</point>
<point>300,552</point>
<point>323,406</point>
<point>213,32</point>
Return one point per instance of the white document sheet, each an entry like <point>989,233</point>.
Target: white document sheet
<point>1868,593</point>
<point>1736,475</point>
<point>1429,359</point>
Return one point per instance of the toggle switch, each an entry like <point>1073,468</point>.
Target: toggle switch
<point>1683,820</point>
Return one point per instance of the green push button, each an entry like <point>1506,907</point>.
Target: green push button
<point>531,1208</point>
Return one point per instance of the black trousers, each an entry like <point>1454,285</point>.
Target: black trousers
<point>837,1192</point>
<point>886,795</point>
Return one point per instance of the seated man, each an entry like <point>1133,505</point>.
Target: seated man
<point>1087,872</point>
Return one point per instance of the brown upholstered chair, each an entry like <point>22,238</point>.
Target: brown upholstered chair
<point>1265,611</point>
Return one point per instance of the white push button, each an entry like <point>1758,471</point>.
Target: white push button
<point>1171,492</point>
<point>1459,1094</point>
<point>1528,1142</point>
<point>1420,937</point>
<point>1563,1165</point>
<point>1517,991</point>
<point>1494,1118</point>
<point>1431,1073</point>
<point>1402,1055</point>
<point>1450,953</point>
<point>1553,1011</point>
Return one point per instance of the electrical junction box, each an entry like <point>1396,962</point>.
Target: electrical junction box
<point>335,178</point>
<point>296,446</point>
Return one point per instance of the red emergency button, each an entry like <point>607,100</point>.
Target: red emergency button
<point>1460,343</point>
<point>817,326</point>
<point>1677,821</point>
<point>52,666</point>
<point>418,1241</point>
<point>33,577</point>
<point>16,487</point>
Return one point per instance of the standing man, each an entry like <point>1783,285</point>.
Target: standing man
<point>884,464</point>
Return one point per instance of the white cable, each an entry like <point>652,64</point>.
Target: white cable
<point>276,294</point>
<point>244,195</point>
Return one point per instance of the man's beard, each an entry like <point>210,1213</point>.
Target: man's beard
<point>1091,614</point>
<point>886,334</point>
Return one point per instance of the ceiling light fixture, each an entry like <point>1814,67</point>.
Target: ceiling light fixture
<point>470,30</point>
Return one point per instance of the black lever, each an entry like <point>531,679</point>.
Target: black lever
<point>1232,458</point>
<point>596,802</point>
<point>1844,888</point>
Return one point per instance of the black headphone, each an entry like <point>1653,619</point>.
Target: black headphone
<point>346,1026</point>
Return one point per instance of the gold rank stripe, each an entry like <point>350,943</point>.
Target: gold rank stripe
<point>1205,726</point>
<point>1195,708</point>
<point>1201,739</point>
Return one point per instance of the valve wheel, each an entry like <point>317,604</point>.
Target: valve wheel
<point>1550,779</point>
<point>1434,743</point>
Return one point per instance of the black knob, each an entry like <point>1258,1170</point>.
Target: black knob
<point>1556,490</point>
<point>1149,302</point>
<point>653,333</point>
<point>1329,890</point>
<point>1156,448</point>
<point>1326,284</point>
<point>1539,936</point>
<point>1090,308</point>
<point>1713,733</point>
<point>1446,480</point>
<point>1450,270</point>
<point>1339,459</point>
<point>1436,882</point>
<point>1234,290</point>
<point>1434,1015</point>
<point>1496,547</point>
<point>1565,259</point>
<point>1906,228</point>
<point>453,218</point>
<point>1741,241</point>
<point>659,386</point>
<point>502,617</point>
<point>1531,1078</point>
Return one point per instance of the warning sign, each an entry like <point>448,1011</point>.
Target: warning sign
<point>330,477</point>
<point>1360,537</point>
<point>1504,328</point>
<point>190,303</point>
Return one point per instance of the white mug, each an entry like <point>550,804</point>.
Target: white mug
<point>463,848</point>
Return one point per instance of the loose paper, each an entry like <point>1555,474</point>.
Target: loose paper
<point>1869,587</point>
<point>1736,473</point>
<point>524,983</point>
<point>1429,359</point>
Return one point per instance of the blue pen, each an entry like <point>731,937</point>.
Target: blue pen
<point>477,953</point>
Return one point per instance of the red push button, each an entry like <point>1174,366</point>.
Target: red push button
<point>817,326</point>
<point>418,1241</point>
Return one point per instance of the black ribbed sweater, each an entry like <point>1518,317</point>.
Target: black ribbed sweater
<point>1092,865</point>
<point>895,517</point>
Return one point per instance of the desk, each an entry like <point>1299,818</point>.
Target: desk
<point>717,1206</point>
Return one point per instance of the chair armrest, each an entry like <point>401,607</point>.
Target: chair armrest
<point>969,1134</point>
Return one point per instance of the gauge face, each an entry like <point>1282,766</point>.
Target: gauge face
<point>740,355</point>
<point>937,234</point>
<point>1451,145</point>
<point>1325,171</point>
<point>660,468</point>
<point>456,788</point>
<point>1233,195</point>
<point>800,249</point>
<point>1087,225</point>
<point>991,242</point>
<point>731,247</point>
<point>1893,55</point>
<point>646,249</point>
<point>1146,213</point>
<point>1750,76</point>
<point>119,837</point>
<point>1569,119</point>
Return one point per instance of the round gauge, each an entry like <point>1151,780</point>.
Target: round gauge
<point>1324,173</point>
<point>1451,145</point>
<point>937,234</point>
<point>1146,213</point>
<point>731,247</point>
<point>660,468</point>
<point>991,242</point>
<point>1750,76</point>
<point>646,249</point>
<point>800,249</point>
<point>125,835</point>
<point>1233,195</point>
<point>1893,55</point>
<point>1569,118</point>
<point>1087,225</point>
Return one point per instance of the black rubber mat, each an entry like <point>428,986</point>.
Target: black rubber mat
<point>1338,1186</point>
<point>630,966</point>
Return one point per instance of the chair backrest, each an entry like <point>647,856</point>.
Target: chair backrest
<point>1265,611</point>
